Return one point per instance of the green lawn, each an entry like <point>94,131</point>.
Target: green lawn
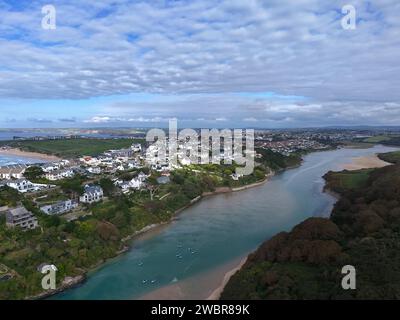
<point>392,157</point>
<point>73,147</point>
<point>345,180</point>
<point>377,139</point>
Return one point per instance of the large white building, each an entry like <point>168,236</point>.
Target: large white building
<point>92,194</point>
<point>22,185</point>
<point>59,207</point>
<point>59,174</point>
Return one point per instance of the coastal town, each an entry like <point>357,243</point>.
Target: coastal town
<point>90,204</point>
<point>142,161</point>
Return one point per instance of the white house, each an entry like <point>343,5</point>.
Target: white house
<point>142,176</point>
<point>136,147</point>
<point>92,194</point>
<point>59,207</point>
<point>133,164</point>
<point>135,183</point>
<point>125,186</point>
<point>22,185</point>
<point>49,167</point>
<point>94,170</point>
<point>60,174</point>
<point>121,168</point>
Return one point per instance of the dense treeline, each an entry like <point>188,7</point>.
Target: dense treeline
<point>392,141</point>
<point>306,263</point>
<point>277,161</point>
<point>393,157</point>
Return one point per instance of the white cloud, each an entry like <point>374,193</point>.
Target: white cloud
<point>98,120</point>
<point>209,47</point>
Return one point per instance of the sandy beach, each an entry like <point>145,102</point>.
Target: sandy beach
<point>206,286</point>
<point>217,292</point>
<point>366,162</point>
<point>33,155</point>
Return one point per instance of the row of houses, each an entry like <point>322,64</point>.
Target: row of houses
<point>55,166</point>
<point>114,160</point>
<point>13,171</point>
<point>59,174</point>
<point>24,185</point>
<point>26,220</point>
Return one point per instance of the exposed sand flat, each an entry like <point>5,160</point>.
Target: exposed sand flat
<point>208,285</point>
<point>217,292</point>
<point>34,155</point>
<point>366,162</point>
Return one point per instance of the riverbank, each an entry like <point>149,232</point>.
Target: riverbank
<point>213,233</point>
<point>289,265</point>
<point>366,162</point>
<point>218,291</point>
<point>358,163</point>
<point>205,286</point>
<point>26,154</point>
<point>149,229</point>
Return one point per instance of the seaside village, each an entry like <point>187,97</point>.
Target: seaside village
<point>107,164</point>
<point>110,164</point>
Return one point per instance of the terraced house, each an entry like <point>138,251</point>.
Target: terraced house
<point>12,172</point>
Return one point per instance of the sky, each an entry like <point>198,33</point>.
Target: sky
<point>208,63</point>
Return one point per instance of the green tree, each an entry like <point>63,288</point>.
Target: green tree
<point>33,173</point>
<point>108,186</point>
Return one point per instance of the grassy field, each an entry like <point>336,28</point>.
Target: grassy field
<point>377,139</point>
<point>392,157</point>
<point>346,180</point>
<point>72,148</point>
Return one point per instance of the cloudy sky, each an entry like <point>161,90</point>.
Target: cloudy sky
<point>244,63</point>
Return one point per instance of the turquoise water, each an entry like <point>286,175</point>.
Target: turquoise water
<point>217,230</point>
<point>9,160</point>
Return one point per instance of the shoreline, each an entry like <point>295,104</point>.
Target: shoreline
<point>147,229</point>
<point>27,154</point>
<point>80,279</point>
<point>218,291</point>
<point>207,285</point>
<point>365,162</point>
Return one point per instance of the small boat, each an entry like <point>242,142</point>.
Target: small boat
<point>153,281</point>
<point>140,264</point>
<point>144,281</point>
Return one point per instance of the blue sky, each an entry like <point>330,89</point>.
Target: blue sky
<point>253,63</point>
